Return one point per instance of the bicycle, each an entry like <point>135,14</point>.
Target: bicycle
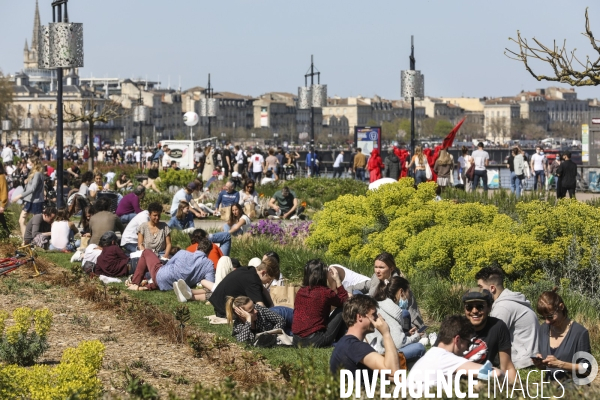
<point>20,258</point>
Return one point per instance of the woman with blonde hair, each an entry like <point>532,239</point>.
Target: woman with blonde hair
<point>249,319</point>
<point>465,161</point>
<point>180,221</point>
<point>420,162</point>
<point>33,195</point>
<point>444,168</point>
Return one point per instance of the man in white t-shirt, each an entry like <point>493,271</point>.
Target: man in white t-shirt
<point>539,168</point>
<point>257,166</point>
<point>166,160</point>
<point>129,238</point>
<point>137,155</point>
<point>482,159</point>
<point>7,154</point>
<point>454,339</point>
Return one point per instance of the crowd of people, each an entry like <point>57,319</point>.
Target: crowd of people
<point>372,322</point>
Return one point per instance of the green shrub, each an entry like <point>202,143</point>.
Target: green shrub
<point>74,377</point>
<point>172,177</point>
<point>316,191</point>
<point>151,197</point>
<point>25,341</point>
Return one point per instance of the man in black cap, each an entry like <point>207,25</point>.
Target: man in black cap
<point>492,337</point>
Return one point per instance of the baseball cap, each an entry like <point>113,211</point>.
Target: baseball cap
<point>255,262</point>
<point>191,186</point>
<point>477,294</point>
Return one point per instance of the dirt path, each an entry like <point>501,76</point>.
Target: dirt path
<point>130,344</point>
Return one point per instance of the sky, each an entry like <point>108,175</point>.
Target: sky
<point>256,46</point>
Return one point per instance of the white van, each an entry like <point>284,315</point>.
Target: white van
<point>182,151</point>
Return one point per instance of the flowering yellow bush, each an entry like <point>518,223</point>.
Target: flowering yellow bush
<point>75,376</point>
<point>454,239</point>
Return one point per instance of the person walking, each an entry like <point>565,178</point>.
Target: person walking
<point>392,166</point>
<point>360,162</point>
<point>539,168</point>
<point>444,169</point>
<point>420,162</point>
<point>465,161</point>
<point>337,165</point>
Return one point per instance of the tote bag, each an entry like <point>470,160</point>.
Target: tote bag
<point>284,295</point>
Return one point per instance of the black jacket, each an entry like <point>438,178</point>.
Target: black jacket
<point>392,166</point>
<point>567,171</point>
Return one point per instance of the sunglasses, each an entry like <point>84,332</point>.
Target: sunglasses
<point>478,306</point>
<point>549,317</point>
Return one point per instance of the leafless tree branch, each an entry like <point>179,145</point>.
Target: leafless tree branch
<point>559,59</point>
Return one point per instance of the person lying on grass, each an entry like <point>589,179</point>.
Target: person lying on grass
<point>249,319</point>
<point>191,268</point>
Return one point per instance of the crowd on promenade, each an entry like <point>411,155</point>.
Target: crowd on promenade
<point>372,322</point>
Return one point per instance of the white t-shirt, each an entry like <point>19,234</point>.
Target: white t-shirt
<point>351,278</point>
<point>338,161</point>
<point>130,233</point>
<point>257,163</point>
<point>128,155</point>
<point>60,234</point>
<point>91,253</point>
<point>538,161</point>
<point>436,359</point>
<point>166,161</point>
<point>239,157</point>
<point>147,155</point>
<point>7,154</point>
<point>137,155</point>
<point>480,157</point>
<point>93,187</point>
<point>246,226</point>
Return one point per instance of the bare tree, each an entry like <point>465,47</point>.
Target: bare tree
<point>497,127</point>
<point>91,110</point>
<point>560,59</point>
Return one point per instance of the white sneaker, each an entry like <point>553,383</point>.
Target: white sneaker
<point>185,290</point>
<point>189,230</point>
<point>180,297</point>
<point>273,217</point>
<point>294,217</point>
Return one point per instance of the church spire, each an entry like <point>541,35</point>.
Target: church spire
<point>36,27</point>
<point>26,46</point>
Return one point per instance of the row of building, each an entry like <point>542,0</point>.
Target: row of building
<point>269,113</point>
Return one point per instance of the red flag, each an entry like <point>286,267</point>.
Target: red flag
<point>450,138</point>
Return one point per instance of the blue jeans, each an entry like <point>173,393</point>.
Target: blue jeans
<point>287,314</point>
<point>515,184</point>
<point>413,351</point>
<point>420,176</point>
<point>541,174</point>
<point>484,178</point>
<point>188,221</point>
<point>176,224</point>
<point>360,174</point>
<point>70,246</point>
<point>223,239</point>
<point>130,248</point>
<point>125,218</point>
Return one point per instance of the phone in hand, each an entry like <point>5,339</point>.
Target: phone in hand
<point>537,358</point>
<point>422,329</point>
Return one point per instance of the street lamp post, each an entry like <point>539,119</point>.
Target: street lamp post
<point>412,87</point>
<point>209,107</point>
<point>313,96</point>
<point>6,126</point>
<point>61,46</point>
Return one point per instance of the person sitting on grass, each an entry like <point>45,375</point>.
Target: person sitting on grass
<point>129,206</point>
<point>97,186</point>
<point>284,204</point>
<point>214,253</point>
<point>112,261</point>
<point>244,281</point>
<point>351,352</point>
<point>123,183</point>
<point>393,300</point>
<point>446,357</point>
<point>129,238</point>
<point>560,339</point>
<point>185,194</point>
<point>314,323</point>
<point>190,268</point>
<point>155,235</point>
<point>250,319</point>
<point>269,177</point>
<point>227,197</point>
<point>239,223</point>
<point>40,225</point>
<point>181,221</point>
<point>103,220</point>
<point>63,231</point>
